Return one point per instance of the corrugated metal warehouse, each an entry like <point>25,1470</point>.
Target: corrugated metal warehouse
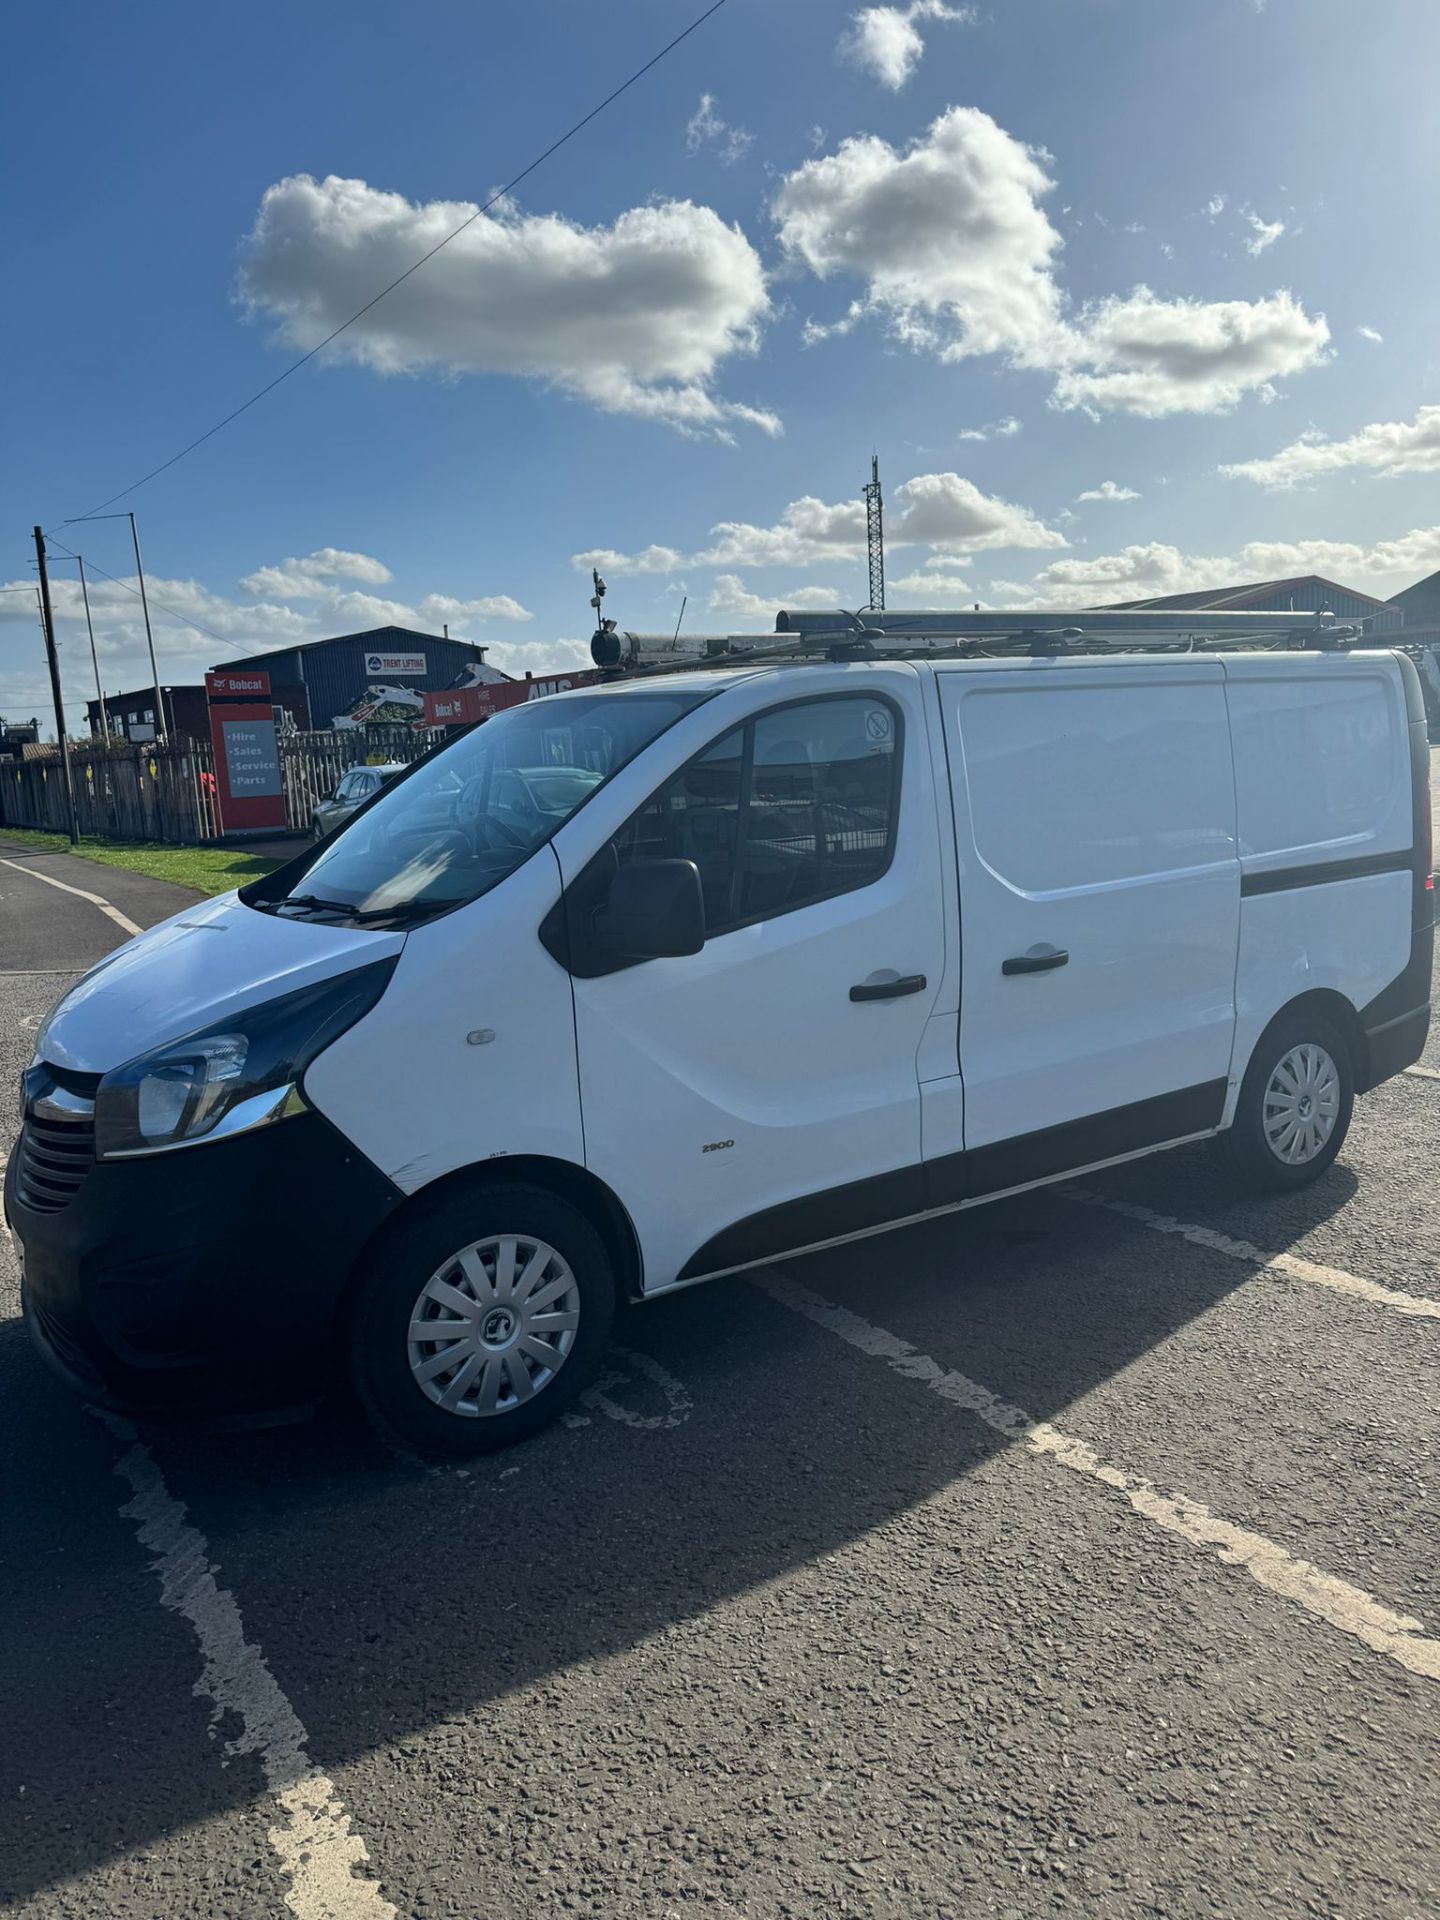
<point>328,678</point>
<point>1303,593</point>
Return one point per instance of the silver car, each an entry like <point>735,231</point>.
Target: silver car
<point>359,785</point>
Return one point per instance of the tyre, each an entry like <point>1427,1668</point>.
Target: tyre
<point>1295,1105</point>
<point>480,1319</point>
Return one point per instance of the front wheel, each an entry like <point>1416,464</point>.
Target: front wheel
<point>480,1319</point>
<point>1294,1107</point>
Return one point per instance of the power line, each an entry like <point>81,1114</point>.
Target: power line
<point>305,358</point>
<point>174,612</point>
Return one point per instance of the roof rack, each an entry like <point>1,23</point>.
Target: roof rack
<point>1043,633</point>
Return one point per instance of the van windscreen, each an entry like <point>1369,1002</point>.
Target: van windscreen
<point>472,813</point>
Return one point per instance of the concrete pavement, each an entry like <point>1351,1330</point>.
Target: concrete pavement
<point>797,1616</point>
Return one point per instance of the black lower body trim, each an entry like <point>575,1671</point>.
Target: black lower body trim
<point>831,1215</point>
<point>1080,1143</point>
<point>1323,873</point>
<point>862,1205</point>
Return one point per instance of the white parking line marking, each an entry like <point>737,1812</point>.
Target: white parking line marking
<point>319,1852</point>
<point>1291,1265</point>
<point>677,1396</point>
<point>1335,1601</point>
<point>95,899</point>
<point>1423,1073</point>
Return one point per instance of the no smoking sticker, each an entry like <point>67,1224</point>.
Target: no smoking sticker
<point>877,724</point>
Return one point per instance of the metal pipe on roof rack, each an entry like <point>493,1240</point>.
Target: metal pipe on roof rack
<point>836,634</point>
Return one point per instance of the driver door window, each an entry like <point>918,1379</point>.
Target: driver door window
<point>796,806</point>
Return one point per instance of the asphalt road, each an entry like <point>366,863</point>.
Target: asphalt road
<point>798,1616</point>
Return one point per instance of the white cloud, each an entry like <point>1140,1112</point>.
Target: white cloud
<point>949,235</point>
<point>635,317</point>
<point>436,609</point>
<point>940,510</point>
<point>315,574</point>
<point>1264,233</point>
<point>1156,357</point>
<point>607,560</point>
<point>886,43</point>
<point>730,595</point>
<point>1135,573</point>
<point>1144,572</point>
<point>1383,447</point>
<point>519,657</point>
<point>930,589</point>
<point>705,128</point>
<point>1386,564</point>
<point>1109,491</point>
<point>951,514</point>
<point>1369,333</point>
<point>958,258</point>
<point>993,430</point>
<point>807,532</point>
<point>1215,206</point>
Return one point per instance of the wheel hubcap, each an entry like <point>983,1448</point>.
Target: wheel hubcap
<point>1302,1104</point>
<point>493,1326</point>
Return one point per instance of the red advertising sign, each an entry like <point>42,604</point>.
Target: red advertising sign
<point>234,686</point>
<point>462,706</point>
<point>249,781</point>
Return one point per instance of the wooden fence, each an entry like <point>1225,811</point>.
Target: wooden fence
<point>314,764</point>
<point>124,793</point>
<point>167,792</point>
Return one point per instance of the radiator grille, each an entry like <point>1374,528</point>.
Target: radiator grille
<point>55,1156</point>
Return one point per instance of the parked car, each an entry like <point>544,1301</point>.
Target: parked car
<point>794,954</point>
<point>359,785</point>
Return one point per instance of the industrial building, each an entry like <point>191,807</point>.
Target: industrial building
<point>131,716</point>
<point>327,680</point>
<point>1303,593</point>
<point>1420,605</point>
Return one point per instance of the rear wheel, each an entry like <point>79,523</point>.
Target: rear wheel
<point>479,1320</point>
<point>1294,1107</point>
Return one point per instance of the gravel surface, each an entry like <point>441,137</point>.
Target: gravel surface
<point>774,1627</point>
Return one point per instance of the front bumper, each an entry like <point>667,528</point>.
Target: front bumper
<point>204,1281</point>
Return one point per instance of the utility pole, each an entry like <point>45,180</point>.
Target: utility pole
<point>161,729</point>
<point>875,536</point>
<point>94,657</point>
<point>54,659</point>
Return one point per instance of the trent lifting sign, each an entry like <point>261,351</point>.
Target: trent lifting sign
<point>404,663</point>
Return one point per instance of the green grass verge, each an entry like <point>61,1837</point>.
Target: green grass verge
<point>209,869</point>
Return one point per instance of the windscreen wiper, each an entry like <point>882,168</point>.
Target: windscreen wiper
<point>312,902</point>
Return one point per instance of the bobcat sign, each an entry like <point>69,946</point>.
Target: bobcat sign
<point>249,784</point>
<point>463,706</point>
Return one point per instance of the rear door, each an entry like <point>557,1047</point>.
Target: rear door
<point>1100,902</point>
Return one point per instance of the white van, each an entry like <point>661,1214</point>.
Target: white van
<point>743,963</point>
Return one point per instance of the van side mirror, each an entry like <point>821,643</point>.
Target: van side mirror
<point>654,910</point>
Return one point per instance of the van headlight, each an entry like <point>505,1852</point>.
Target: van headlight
<point>242,1073</point>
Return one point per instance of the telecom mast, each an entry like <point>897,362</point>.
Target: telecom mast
<point>875,536</point>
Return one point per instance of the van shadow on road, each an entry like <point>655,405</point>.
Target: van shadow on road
<point>388,1597</point>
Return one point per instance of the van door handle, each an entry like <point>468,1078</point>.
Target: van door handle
<point>889,989</point>
<point>1037,960</point>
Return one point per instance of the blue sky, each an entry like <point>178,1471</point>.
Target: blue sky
<point>1181,250</point>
